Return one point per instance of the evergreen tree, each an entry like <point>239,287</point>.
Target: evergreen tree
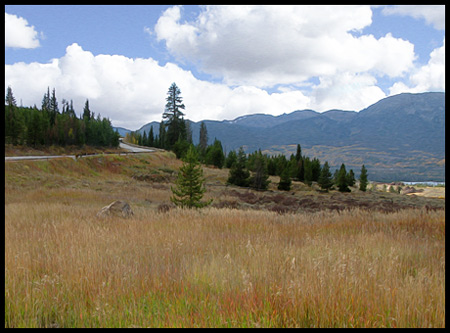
<point>180,148</point>
<point>46,101</point>
<point>190,186</point>
<point>325,181</point>
<point>342,180</point>
<point>10,99</point>
<point>174,116</point>
<point>151,138</point>
<point>14,122</point>
<point>260,177</point>
<point>285,181</point>
<point>162,135</point>
<point>239,175</point>
<point>315,169</point>
<point>351,178</point>
<point>363,179</point>
<point>53,108</point>
<point>144,139</point>
<point>308,167</point>
<point>214,154</point>
<point>86,111</point>
<point>230,159</point>
<point>203,137</point>
<point>298,154</point>
<point>10,106</point>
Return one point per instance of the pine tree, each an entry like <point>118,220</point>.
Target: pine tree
<point>14,122</point>
<point>342,180</point>
<point>308,167</point>
<point>190,186</point>
<point>86,111</point>
<point>285,180</point>
<point>151,138</point>
<point>53,108</point>
<point>162,135</point>
<point>325,181</point>
<point>238,174</point>
<point>351,178</point>
<point>260,176</point>
<point>214,154</point>
<point>363,179</point>
<point>46,101</point>
<point>174,116</point>
<point>230,159</point>
<point>300,165</point>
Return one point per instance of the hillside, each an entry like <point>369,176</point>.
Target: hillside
<point>245,261</point>
<point>401,137</point>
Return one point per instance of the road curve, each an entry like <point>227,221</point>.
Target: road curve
<point>135,149</point>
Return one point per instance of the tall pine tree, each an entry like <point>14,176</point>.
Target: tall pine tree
<point>173,116</point>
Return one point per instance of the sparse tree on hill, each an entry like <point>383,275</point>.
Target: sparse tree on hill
<point>190,186</point>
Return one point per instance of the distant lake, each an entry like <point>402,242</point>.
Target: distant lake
<point>428,183</point>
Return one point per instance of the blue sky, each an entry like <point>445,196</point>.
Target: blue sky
<point>227,60</point>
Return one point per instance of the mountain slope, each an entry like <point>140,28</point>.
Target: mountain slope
<point>401,137</point>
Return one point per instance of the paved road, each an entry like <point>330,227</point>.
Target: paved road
<point>134,149</point>
<point>130,148</point>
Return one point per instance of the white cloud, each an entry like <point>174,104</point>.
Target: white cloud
<point>132,92</point>
<point>432,14</point>
<point>346,91</point>
<point>269,45</point>
<point>430,77</point>
<point>19,34</point>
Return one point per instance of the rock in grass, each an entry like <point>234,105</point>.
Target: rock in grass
<point>116,208</point>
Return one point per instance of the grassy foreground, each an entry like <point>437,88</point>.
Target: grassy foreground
<point>64,267</point>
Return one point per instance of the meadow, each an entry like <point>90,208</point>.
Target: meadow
<point>247,266</point>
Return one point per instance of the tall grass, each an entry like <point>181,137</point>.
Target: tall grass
<point>64,267</point>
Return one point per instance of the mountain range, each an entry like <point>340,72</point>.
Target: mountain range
<point>399,138</point>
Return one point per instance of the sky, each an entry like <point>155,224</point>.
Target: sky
<point>228,61</point>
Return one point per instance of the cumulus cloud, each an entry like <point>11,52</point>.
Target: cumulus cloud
<point>132,92</point>
<point>432,14</point>
<point>346,91</point>
<point>269,45</point>
<point>19,34</point>
<point>430,77</point>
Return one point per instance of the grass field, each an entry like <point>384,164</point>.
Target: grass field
<point>254,266</point>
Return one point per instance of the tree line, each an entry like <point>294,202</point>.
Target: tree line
<point>252,170</point>
<point>49,126</point>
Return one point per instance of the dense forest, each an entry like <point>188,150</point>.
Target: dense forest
<point>252,170</point>
<point>49,126</point>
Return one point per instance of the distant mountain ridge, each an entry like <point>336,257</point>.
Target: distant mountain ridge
<point>400,137</point>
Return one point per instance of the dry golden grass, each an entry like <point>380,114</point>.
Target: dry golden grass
<point>64,267</point>
<point>219,267</point>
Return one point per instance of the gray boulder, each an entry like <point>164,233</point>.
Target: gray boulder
<point>116,208</point>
